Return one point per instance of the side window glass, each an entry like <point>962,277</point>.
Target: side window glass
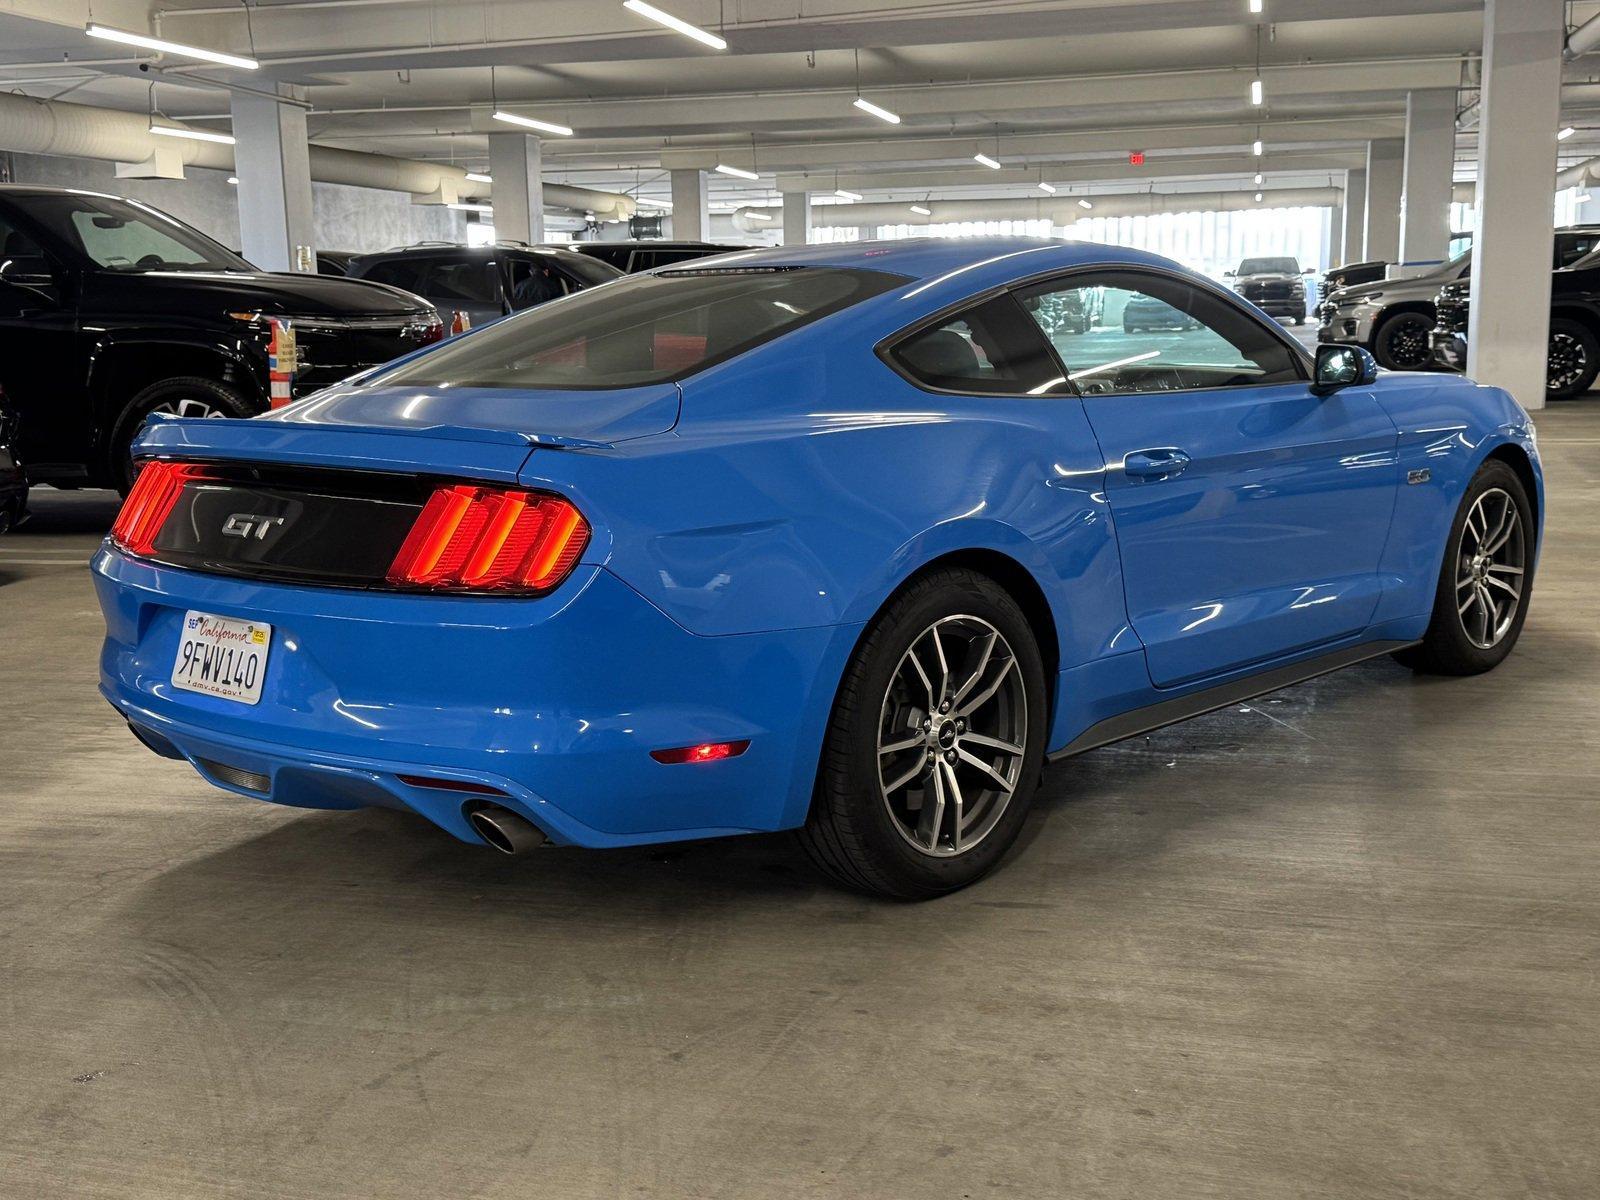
<point>1570,249</point>
<point>21,259</point>
<point>468,281</point>
<point>991,348</point>
<point>534,281</point>
<point>396,273</point>
<point>1124,331</point>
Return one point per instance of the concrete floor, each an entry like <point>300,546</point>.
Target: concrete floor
<point>1344,941</point>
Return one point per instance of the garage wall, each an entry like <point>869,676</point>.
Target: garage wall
<point>347,218</point>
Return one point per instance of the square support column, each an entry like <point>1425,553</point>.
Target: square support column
<point>515,162</point>
<point>691,213</point>
<point>1385,163</point>
<point>796,218</point>
<point>273,163</point>
<point>1355,216</point>
<point>1430,165</point>
<point>1509,328</point>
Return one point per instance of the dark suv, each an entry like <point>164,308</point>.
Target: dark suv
<point>110,310</point>
<point>484,282</point>
<point>633,257</point>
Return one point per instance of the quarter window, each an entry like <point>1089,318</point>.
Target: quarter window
<point>1126,331</point>
<point>989,349</point>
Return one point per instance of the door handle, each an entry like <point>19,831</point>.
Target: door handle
<point>1155,464</point>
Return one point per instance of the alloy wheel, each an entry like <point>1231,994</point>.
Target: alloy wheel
<point>1568,360</point>
<point>188,406</point>
<point>1407,342</point>
<point>952,736</point>
<point>1491,565</point>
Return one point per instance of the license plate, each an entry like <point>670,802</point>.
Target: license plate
<point>222,656</point>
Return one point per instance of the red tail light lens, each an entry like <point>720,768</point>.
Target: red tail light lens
<point>150,502</point>
<point>478,539</point>
<point>704,752</point>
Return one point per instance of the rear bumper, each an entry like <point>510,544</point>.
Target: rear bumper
<point>554,702</point>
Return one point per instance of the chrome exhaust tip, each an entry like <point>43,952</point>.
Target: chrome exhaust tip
<point>505,830</point>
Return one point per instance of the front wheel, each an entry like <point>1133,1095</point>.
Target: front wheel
<point>186,396</point>
<point>1482,597</point>
<point>935,743</point>
<point>1401,343</point>
<point>1573,361</point>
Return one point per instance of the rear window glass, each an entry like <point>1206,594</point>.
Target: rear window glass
<point>643,329</point>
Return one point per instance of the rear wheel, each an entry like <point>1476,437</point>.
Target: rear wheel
<point>935,743</point>
<point>1484,584</point>
<point>1401,343</point>
<point>186,396</point>
<point>1573,361</point>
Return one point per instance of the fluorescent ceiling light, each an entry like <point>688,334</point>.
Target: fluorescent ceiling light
<point>530,123</point>
<point>106,33</point>
<point>1257,5</point>
<point>477,208</point>
<point>847,197</point>
<point>757,216</point>
<point>651,202</point>
<point>194,135</point>
<point>883,114</point>
<point>1582,198</point>
<point>737,172</point>
<point>479,177</point>
<point>1084,204</point>
<point>1045,187</point>
<point>920,211</point>
<point>1255,92</point>
<point>1257,148</point>
<point>651,13</point>
<point>1258,197</point>
<point>1565,133</point>
<point>233,179</point>
<point>986,161</point>
<point>1260,178</point>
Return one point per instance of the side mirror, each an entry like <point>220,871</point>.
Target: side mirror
<point>1308,271</point>
<point>1228,274</point>
<point>1341,367</point>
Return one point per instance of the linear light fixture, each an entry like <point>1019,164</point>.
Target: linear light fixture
<point>847,196</point>
<point>1085,204</point>
<point>1260,178</point>
<point>530,123</point>
<point>1258,197</point>
<point>921,211</point>
<point>1257,6</point>
<point>986,161</point>
<point>1045,187</point>
<point>883,114</point>
<point>107,33</point>
<point>1256,95</point>
<point>1257,148</point>
<point>677,24</point>
<point>1565,133</point>
<point>233,179</point>
<point>193,135</point>
<point>737,172</point>
<point>757,216</point>
<point>479,177</point>
<point>652,202</point>
<point>477,208</point>
<point>1582,198</point>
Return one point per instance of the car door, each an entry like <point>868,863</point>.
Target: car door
<point>39,355</point>
<point>1251,514</point>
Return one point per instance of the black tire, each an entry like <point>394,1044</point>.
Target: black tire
<point>1574,359</point>
<point>1448,648</point>
<point>851,833</point>
<point>188,395</point>
<point>1401,341</point>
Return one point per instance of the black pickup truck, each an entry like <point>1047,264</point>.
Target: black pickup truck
<point>111,310</point>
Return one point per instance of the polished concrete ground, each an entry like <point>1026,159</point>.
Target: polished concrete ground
<point>1340,942</point>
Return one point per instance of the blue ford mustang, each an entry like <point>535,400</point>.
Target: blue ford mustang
<point>834,539</point>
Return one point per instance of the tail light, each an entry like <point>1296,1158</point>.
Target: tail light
<point>479,539</point>
<point>150,503</point>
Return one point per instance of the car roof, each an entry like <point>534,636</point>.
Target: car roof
<point>653,244</point>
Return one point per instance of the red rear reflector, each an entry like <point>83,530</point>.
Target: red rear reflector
<point>490,540</point>
<point>449,785</point>
<point>150,502</point>
<point>704,752</point>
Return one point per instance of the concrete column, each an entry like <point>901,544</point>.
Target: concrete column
<point>515,162</point>
<point>274,170</point>
<point>1430,164</point>
<point>1355,216</point>
<point>691,216</point>
<point>1335,235</point>
<point>1385,163</point>
<point>1509,329</point>
<point>796,218</point>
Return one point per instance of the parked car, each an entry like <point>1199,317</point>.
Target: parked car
<point>484,282</point>
<point>110,310</point>
<point>13,480</point>
<point>633,257</point>
<point>1077,311</point>
<point>1574,355</point>
<point>1276,286</point>
<point>1141,313</point>
<point>839,540</point>
<point>1394,318</point>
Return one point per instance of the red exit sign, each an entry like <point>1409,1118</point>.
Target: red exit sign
<point>1136,158</point>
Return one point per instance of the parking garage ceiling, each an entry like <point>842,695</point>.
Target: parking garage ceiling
<point>1061,92</point>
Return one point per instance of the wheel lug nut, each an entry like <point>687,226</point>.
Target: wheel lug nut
<point>949,756</point>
